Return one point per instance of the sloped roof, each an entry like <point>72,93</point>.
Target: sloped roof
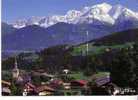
<point>56,81</point>
<point>44,88</point>
<point>5,82</point>
<point>101,78</point>
<point>83,82</point>
<point>102,81</point>
<point>6,90</point>
<point>31,85</point>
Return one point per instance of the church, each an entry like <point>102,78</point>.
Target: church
<point>15,71</point>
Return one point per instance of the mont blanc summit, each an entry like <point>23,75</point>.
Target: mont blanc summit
<point>98,14</point>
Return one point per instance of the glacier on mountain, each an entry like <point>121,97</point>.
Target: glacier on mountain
<point>98,14</point>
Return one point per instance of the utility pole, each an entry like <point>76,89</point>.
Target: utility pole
<point>87,44</point>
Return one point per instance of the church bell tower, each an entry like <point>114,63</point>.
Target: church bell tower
<point>15,71</point>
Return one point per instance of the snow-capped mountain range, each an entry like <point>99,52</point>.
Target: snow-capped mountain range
<point>37,33</point>
<point>98,14</point>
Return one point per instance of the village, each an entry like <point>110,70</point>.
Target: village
<point>69,48</point>
<point>60,84</point>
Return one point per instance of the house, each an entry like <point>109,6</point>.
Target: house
<point>67,86</point>
<point>56,83</point>
<point>44,90</point>
<point>29,89</point>
<point>102,80</point>
<point>103,85</point>
<point>79,83</point>
<point>66,71</point>
<point>6,88</point>
<point>79,87</point>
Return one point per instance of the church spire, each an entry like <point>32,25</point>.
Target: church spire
<point>15,64</point>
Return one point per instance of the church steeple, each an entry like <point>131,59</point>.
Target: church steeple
<point>15,71</point>
<point>15,64</point>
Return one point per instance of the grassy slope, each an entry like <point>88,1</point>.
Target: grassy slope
<point>114,41</point>
<point>81,50</point>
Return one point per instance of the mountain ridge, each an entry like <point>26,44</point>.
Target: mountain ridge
<point>94,21</point>
<point>96,14</point>
<point>118,38</point>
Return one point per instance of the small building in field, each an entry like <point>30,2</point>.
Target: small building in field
<point>66,71</point>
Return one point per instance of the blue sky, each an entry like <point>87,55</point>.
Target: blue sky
<point>19,9</point>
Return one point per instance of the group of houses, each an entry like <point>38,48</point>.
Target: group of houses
<point>55,86</point>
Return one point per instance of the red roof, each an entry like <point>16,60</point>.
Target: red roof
<point>30,85</point>
<point>82,82</point>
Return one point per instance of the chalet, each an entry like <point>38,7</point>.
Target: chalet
<point>56,83</point>
<point>78,83</point>
<point>29,89</point>
<point>45,90</point>
<point>67,86</point>
<point>102,80</point>
<point>79,87</point>
<point>6,88</point>
<point>103,85</point>
<point>76,87</point>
